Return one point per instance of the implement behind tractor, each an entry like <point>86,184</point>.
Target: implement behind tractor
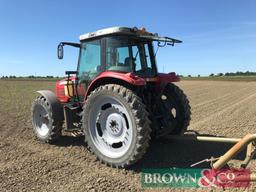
<point>119,100</point>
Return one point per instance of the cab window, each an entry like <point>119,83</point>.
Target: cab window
<point>90,60</point>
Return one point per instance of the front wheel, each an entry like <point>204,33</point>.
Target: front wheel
<point>116,125</point>
<point>45,127</point>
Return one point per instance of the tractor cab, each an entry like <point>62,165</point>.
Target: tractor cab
<point>126,52</point>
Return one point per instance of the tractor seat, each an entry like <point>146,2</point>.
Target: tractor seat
<point>128,61</point>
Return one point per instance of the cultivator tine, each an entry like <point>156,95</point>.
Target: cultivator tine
<point>211,160</point>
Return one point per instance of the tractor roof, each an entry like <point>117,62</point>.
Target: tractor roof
<point>142,33</point>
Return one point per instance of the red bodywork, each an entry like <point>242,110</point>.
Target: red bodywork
<point>160,80</point>
<point>168,78</point>
<point>127,77</point>
<point>163,78</point>
<point>60,89</point>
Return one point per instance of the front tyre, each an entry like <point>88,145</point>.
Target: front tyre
<point>45,127</point>
<point>116,125</point>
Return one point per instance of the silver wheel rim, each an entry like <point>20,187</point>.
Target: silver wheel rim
<point>110,127</point>
<point>41,120</point>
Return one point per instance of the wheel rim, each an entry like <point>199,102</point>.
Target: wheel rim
<point>171,113</point>
<point>41,120</point>
<point>171,106</point>
<point>110,127</point>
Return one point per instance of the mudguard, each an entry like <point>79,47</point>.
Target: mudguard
<point>129,78</point>
<point>57,108</point>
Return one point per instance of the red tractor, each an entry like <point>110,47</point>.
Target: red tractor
<point>116,97</point>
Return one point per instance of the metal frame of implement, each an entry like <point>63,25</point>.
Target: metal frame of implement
<point>248,142</point>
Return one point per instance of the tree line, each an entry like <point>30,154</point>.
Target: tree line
<point>238,73</point>
<point>30,77</point>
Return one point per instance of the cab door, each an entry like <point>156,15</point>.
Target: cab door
<point>89,65</point>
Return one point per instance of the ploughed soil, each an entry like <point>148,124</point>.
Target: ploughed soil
<point>218,108</point>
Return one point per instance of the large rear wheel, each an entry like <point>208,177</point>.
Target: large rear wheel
<point>116,125</point>
<point>175,110</point>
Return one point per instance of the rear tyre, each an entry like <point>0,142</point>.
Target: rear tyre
<point>176,110</point>
<point>116,125</point>
<point>45,128</point>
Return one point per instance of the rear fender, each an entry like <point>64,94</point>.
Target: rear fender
<point>163,80</point>
<point>57,108</point>
<point>114,77</point>
<point>168,78</point>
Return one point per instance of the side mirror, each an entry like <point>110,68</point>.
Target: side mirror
<point>60,51</point>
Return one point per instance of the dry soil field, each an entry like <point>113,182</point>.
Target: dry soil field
<point>222,108</point>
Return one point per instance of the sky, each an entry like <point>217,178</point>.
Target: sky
<point>218,36</point>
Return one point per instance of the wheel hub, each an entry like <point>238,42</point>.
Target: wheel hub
<point>41,120</point>
<point>109,128</point>
<point>114,124</point>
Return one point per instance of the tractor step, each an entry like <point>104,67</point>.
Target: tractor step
<point>72,117</point>
<point>75,132</point>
